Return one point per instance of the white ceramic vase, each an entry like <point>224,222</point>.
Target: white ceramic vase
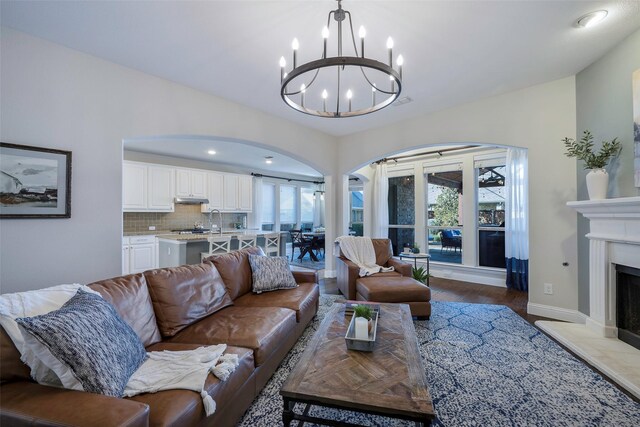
<point>597,184</point>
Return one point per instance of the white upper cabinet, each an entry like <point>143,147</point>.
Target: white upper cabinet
<point>245,193</point>
<point>215,190</point>
<point>147,188</point>
<point>160,187</point>
<point>191,183</point>
<point>134,186</point>
<point>230,200</point>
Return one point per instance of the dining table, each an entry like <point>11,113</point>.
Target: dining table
<point>317,239</point>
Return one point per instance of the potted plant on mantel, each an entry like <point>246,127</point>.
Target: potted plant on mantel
<point>597,178</point>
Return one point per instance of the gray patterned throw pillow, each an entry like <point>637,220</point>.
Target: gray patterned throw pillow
<point>87,335</point>
<point>271,273</point>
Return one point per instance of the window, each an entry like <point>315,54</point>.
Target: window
<point>356,207</point>
<point>307,203</point>
<point>268,206</point>
<point>444,212</point>
<point>402,205</point>
<point>491,202</point>
<point>288,204</point>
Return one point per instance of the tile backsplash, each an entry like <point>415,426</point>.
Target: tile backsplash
<point>184,216</point>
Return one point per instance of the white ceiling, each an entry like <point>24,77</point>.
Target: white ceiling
<point>455,51</point>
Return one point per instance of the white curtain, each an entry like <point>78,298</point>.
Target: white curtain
<point>256,214</point>
<point>380,205</point>
<point>517,219</point>
<point>318,207</point>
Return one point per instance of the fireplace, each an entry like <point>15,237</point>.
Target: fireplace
<point>628,304</point>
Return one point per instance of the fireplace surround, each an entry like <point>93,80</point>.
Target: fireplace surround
<point>628,304</point>
<point>614,245</point>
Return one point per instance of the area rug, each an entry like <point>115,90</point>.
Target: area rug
<point>484,365</point>
<point>307,263</point>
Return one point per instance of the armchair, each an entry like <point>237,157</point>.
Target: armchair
<point>347,271</point>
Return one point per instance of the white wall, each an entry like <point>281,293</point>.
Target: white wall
<point>60,98</point>
<point>605,107</point>
<point>536,118</point>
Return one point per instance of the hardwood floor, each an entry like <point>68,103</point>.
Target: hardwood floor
<point>457,291</point>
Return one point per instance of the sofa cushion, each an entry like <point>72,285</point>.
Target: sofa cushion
<point>184,407</point>
<point>129,295</point>
<point>33,303</point>
<point>270,273</point>
<point>261,329</point>
<point>235,270</point>
<point>87,336</point>
<point>183,295</point>
<point>301,299</point>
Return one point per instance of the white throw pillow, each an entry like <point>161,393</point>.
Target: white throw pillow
<point>34,303</point>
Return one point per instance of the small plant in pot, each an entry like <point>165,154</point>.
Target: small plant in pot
<point>363,310</point>
<point>420,274</point>
<point>597,178</point>
<point>415,249</point>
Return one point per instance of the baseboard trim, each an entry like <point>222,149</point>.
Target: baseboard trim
<point>557,313</point>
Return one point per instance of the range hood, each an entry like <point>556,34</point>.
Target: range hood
<point>190,200</point>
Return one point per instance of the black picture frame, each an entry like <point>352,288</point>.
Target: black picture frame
<point>35,182</point>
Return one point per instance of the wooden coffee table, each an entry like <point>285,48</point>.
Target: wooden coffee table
<point>389,381</point>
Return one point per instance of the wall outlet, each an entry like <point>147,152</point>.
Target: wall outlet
<point>152,228</point>
<point>548,288</point>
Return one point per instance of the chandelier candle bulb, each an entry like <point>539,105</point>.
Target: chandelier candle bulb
<point>362,33</point>
<point>283,64</point>
<point>349,96</point>
<point>400,61</point>
<point>324,100</point>
<point>373,95</point>
<point>390,47</point>
<point>325,36</point>
<point>302,91</point>
<point>295,45</point>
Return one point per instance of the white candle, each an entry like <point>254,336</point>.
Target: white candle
<point>362,328</point>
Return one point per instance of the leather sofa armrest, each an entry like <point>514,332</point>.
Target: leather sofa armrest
<point>402,267</point>
<point>347,274</point>
<point>29,404</point>
<point>305,276</point>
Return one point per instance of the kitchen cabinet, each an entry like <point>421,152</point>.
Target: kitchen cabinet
<point>147,188</point>
<point>215,191</point>
<point>139,253</point>
<point>191,183</point>
<point>134,186</point>
<point>238,193</point>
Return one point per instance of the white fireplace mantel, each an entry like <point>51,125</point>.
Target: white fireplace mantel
<point>614,238</point>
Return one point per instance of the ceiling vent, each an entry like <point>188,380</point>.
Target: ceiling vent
<point>402,101</point>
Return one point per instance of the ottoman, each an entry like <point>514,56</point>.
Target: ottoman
<point>399,289</point>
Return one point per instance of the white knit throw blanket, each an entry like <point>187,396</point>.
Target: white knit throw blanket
<point>166,370</point>
<point>359,250</point>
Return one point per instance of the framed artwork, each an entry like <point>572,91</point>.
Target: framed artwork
<point>34,182</point>
<point>636,126</point>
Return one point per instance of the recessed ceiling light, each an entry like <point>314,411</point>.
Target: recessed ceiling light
<point>212,152</point>
<point>268,159</point>
<point>591,19</point>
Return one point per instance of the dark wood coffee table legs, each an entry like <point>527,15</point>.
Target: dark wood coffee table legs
<point>288,415</point>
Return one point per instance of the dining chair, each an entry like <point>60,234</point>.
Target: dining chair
<point>247,241</point>
<point>271,244</point>
<point>217,245</point>
<point>298,241</point>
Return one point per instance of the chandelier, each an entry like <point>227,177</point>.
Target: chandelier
<point>326,87</point>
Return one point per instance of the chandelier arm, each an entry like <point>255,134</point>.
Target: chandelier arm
<point>353,37</point>
<point>306,86</point>
<point>373,86</point>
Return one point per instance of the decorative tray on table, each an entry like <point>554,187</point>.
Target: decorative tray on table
<point>354,343</point>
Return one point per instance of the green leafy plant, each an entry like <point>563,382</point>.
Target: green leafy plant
<point>583,150</point>
<point>416,248</point>
<point>363,310</point>
<point>420,274</point>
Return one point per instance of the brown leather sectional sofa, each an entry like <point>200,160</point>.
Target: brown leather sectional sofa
<point>178,308</point>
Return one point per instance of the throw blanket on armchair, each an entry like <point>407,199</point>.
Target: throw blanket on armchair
<point>166,370</point>
<point>359,250</point>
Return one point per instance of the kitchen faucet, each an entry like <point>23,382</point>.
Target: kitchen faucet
<point>211,220</point>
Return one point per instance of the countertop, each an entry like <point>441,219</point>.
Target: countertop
<point>168,235</point>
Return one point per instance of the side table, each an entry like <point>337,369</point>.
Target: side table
<point>415,258</point>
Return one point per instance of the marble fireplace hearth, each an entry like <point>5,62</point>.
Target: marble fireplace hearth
<point>614,239</point>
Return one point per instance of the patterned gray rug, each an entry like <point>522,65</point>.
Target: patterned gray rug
<point>485,365</point>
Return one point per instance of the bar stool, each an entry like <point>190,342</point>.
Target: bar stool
<point>217,245</point>
<point>247,241</point>
<point>272,244</point>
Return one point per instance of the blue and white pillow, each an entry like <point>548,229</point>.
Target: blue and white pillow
<point>87,336</point>
<point>270,273</point>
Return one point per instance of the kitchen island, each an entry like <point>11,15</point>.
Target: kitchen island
<point>178,249</point>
